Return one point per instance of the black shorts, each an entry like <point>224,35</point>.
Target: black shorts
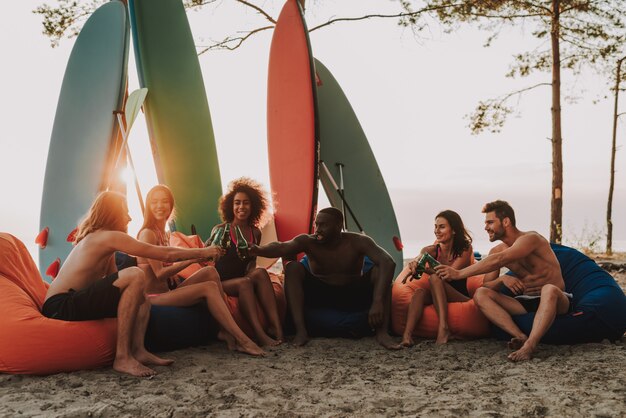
<point>354,297</point>
<point>532,304</point>
<point>97,301</point>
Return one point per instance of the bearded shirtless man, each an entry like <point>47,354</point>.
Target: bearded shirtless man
<point>537,284</point>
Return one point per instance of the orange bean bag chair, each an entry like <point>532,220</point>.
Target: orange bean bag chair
<point>464,318</point>
<point>30,343</point>
<point>178,239</point>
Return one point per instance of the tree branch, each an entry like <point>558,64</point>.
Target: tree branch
<point>237,41</point>
<point>491,114</point>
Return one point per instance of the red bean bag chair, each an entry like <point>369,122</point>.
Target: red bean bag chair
<point>464,318</point>
<point>30,343</point>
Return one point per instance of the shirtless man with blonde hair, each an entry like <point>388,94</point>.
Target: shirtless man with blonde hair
<point>537,284</point>
<point>89,287</point>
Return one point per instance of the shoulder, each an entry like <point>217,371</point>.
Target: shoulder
<point>468,251</point>
<point>498,248</point>
<point>430,249</point>
<point>220,225</point>
<point>532,238</point>
<point>147,235</point>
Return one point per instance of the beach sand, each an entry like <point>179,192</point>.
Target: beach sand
<point>340,377</point>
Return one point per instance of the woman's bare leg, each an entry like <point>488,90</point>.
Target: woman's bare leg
<point>420,298</point>
<point>267,299</point>
<point>244,290</point>
<point>209,293</point>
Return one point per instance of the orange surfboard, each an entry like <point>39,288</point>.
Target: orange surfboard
<point>292,126</point>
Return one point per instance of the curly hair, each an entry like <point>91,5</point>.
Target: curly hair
<point>258,199</point>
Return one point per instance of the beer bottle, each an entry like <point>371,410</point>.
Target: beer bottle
<point>242,244</point>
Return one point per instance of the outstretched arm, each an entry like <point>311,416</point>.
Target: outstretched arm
<point>119,241</point>
<point>280,249</point>
<point>161,272</point>
<point>520,249</point>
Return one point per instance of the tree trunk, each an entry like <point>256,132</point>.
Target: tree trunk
<point>609,206</point>
<point>556,209</point>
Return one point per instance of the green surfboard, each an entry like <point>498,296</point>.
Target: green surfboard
<point>347,154</point>
<point>85,127</point>
<point>177,112</point>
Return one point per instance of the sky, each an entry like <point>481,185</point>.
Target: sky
<point>410,94</point>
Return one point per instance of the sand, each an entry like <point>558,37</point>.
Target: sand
<point>339,377</point>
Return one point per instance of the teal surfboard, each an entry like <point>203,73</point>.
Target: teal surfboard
<point>347,154</point>
<point>177,112</point>
<point>85,127</point>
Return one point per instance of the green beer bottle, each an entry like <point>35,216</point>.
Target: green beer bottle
<point>225,241</point>
<point>242,244</point>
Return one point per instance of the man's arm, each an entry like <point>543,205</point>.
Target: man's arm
<point>521,248</point>
<point>280,249</point>
<point>386,266</point>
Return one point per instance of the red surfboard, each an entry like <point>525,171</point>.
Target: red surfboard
<point>292,126</point>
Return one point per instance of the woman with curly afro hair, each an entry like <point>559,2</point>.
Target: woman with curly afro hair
<point>245,206</point>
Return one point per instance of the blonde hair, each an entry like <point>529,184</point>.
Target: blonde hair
<point>107,212</point>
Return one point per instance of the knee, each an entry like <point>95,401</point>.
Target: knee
<point>433,278</point>
<point>550,291</point>
<point>294,271</point>
<point>246,284</point>
<point>418,296</point>
<point>259,273</point>
<point>136,277</point>
<point>481,295</point>
<point>210,274</point>
<point>210,288</point>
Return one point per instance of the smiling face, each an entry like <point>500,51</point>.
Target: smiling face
<point>160,206</point>
<point>327,228</point>
<point>494,226</point>
<point>443,231</point>
<point>242,207</point>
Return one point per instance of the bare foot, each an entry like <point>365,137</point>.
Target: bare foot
<point>407,341</point>
<point>300,339</point>
<point>132,367</point>
<point>277,334</point>
<point>147,358</point>
<point>266,341</point>
<point>386,341</point>
<point>228,339</point>
<point>516,343</point>
<point>524,353</point>
<point>249,347</point>
<point>443,335</point>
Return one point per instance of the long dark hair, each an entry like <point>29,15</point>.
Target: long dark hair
<point>461,239</point>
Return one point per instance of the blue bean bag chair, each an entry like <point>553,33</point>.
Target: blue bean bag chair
<point>328,322</point>
<point>599,304</point>
<point>173,328</point>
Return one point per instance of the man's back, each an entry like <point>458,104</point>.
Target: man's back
<point>89,260</point>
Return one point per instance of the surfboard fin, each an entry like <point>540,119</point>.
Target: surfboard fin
<point>398,243</point>
<point>53,268</point>
<point>42,238</point>
<point>71,237</point>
